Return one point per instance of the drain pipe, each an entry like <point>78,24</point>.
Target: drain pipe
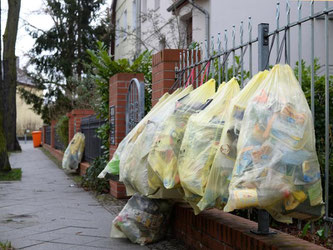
<point>206,22</point>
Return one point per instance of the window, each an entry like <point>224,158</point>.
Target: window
<point>189,32</point>
<point>117,32</point>
<point>125,25</point>
<point>157,4</point>
<point>134,15</point>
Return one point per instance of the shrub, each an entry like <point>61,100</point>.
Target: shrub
<point>90,179</point>
<point>319,116</point>
<point>102,67</point>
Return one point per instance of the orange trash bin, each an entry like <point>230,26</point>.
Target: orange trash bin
<point>37,138</point>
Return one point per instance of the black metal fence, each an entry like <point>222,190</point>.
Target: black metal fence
<point>57,142</point>
<point>48,135</point>
<point>213,60</point>
<point>93,144</point>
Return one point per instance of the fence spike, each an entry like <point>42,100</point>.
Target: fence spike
<point>226,49</point>
<point>219,58</point>
<point>242,49</point>
<point>327,120</point>
<point>288,32</point>
<point>196,61</point>
<point>299,42</point>
<point>233,35</point>
<point>250,45</point>
<point>277,27</point>
<point>212,54</point>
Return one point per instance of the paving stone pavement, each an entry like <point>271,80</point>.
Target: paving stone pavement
<point>46,211</point>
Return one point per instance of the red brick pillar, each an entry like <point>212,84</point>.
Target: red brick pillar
<point>53,125</point>
<point>163,70</point>
<point>117,102</point>
<point>118,89</point>
<point>44,133</point>
<point>74,120</point>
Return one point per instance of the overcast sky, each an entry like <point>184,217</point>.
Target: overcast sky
<point>31,12</point>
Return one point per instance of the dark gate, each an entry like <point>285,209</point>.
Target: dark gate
<point>93,143</point>
<point>135,104</point>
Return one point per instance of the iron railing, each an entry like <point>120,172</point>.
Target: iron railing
<point>93,144</point>
<point>48,135</point>
<point>57,142</point>
<point>206,61</point>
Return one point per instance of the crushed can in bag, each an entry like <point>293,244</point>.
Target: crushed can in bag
<point>200,142</point>
<point>135,171</point>
<point>163,155</point>
<point>276,156</point>
<point>216,192</point>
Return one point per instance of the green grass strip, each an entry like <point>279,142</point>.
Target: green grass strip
<point>14,175</point>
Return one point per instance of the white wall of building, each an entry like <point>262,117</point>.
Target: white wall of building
<point>125,41</point>
<point>152,29</point>
<point>225,13</point>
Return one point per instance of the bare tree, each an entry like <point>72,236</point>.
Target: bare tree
<point>163,33</point>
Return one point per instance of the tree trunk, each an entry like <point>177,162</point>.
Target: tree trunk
<point>4,161</point>
<point>10,77</point>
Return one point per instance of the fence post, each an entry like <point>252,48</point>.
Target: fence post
<point>263,46</point>
<point>53,125</point>
<point>163,72</point>
<point>263,62</point>
<point>118,89</point>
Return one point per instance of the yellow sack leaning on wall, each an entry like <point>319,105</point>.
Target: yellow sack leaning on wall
<point>74,152</point>
<point>216,193</point>
<point>163,156</point>
<point>277,167</point>
<point>134,168</point>
<point>114,162</point>
<point>200,142</point>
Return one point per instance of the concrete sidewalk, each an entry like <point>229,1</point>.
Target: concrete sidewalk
<point>46,211</point>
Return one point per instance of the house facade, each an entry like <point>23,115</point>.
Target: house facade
<point>211,17</point>
<point>26,118</point>
<point>155,24</point>
<point>141,25</point>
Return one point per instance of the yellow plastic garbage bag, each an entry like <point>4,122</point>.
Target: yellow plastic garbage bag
<point>114,162</point>
<point>134,167</point>
<point>277,167</point>
<point>74,152</point>
<point>163,155</point>
<point>200,142</point>
<point>216,192</point>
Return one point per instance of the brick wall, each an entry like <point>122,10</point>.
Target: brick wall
<point>74,120</point>
<point>163,72</point>
<point>117,189</point>
<point>118,88</point>
<point>214,229</point>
